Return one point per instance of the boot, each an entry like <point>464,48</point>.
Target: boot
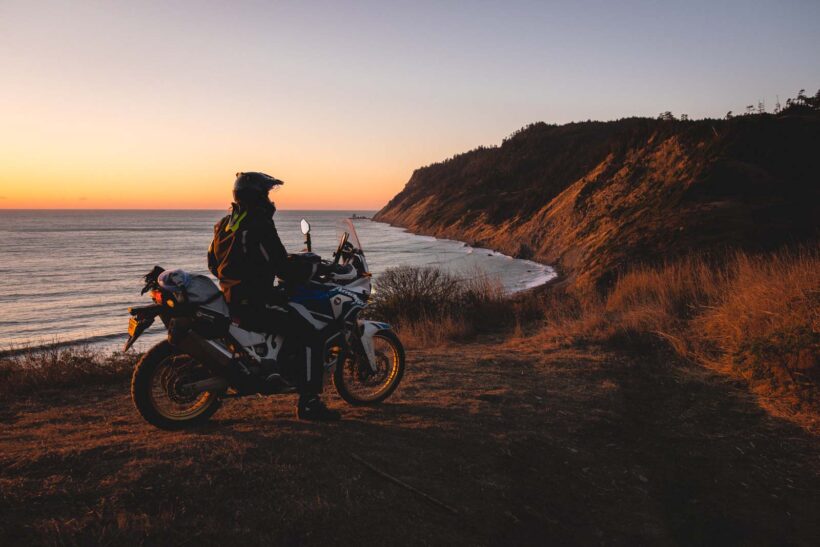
<point>311,407</point>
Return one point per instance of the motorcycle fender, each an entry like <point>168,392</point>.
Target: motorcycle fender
<point>368,329</point>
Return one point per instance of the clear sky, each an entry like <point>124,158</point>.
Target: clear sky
<point>142,104</point>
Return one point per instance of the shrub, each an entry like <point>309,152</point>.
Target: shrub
<point>430,305</point>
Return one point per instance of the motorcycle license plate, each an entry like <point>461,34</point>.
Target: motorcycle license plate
<point>132,326</point>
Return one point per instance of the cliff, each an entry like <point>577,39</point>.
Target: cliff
<point>597,197</point>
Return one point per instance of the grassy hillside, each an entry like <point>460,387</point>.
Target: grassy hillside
<point>755,317</point>
<point>596,198</point>
<point>698,238</point>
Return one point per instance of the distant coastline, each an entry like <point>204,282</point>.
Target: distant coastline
<point>593,198</point>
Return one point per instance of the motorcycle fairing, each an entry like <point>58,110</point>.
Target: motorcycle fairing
<point>313,298</point>
<point>309,316</point>
<point>328,303</point>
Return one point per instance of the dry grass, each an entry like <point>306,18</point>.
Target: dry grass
<point>29,369</point>
<point>753,315</point>
<point>767,324</point>
<point>431,307</point>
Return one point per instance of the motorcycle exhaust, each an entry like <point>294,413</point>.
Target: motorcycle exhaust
<point>209,384</point>
<point>207,352</point>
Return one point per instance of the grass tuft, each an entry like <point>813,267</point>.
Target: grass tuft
<point>30,369</point>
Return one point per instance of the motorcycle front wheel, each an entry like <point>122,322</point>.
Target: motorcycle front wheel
<point>156,389</point>
<point>358,384</point>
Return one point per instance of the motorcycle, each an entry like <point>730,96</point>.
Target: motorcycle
<point>208,357</point>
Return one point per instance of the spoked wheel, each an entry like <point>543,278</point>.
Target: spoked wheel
<point>158,389</point>
<point>359,384</point>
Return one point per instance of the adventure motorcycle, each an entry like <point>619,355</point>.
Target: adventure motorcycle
<point>207,358</point>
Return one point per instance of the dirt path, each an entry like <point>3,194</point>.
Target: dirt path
<point>555,446</point>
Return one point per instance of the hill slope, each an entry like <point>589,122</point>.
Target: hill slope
<point>595,197</point>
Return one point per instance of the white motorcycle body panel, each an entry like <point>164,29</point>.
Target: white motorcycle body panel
<point>368,329</point>
<point>246,337</point>
<point>250,340</point>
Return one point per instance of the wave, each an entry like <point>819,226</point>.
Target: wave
<point>547,275</point>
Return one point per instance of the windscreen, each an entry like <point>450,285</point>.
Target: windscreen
<point>346,225</point>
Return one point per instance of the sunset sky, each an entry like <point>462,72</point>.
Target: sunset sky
<point>143,104</point>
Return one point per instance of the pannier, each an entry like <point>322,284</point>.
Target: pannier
<point>210,311</point>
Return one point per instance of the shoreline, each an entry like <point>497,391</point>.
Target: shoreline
<point>557,277</point>
<point>547,276</point>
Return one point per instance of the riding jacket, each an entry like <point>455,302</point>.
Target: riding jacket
<point>246,254</point>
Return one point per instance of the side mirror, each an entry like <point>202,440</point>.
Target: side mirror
<point>306,230</point>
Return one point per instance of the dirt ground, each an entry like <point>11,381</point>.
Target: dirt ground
<point>529,445</point>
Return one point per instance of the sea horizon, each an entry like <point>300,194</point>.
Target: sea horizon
<point>278,209</point>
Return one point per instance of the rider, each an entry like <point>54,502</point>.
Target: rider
<point>246,255</point>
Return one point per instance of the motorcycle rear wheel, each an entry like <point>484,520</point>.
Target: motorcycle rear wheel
<point>358,385</point>
<point>154,390</point>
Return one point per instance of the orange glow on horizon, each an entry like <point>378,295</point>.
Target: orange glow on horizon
<point>208,186</point>
<point>43,194</point>
<point>94,153</point>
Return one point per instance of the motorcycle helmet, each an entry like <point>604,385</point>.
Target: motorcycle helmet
<point>253,187</point>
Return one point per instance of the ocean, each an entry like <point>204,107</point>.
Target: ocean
<point>69,276</point>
